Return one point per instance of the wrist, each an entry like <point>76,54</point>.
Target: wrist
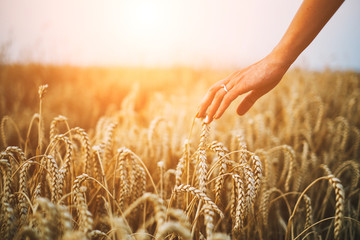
<point>280,59</point>
<point>286,51</point>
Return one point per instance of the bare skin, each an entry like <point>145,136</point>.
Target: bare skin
<point>262,76</point>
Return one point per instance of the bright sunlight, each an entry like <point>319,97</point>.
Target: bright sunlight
<point>144,18</point>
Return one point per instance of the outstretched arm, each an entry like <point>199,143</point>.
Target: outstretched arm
<point>259,78</point>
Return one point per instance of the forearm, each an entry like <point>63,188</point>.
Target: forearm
<point>307,23</point>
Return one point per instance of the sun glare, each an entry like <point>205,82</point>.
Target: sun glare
<point>144,19</point>
<point>146,16</point>
<point>144,29</point>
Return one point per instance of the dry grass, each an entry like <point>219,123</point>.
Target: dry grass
<point>132,163</point>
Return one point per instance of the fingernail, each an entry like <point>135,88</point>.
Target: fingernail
<point>206,120</point>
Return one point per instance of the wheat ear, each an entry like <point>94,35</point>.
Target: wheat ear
<point>65,166</point>
<point>46,215</point>
<point>17,151</point>
<point>339,207</point>
<point>290,153</point>
<point>122,155</point>
<point>201,158</point>
<point>2,130</point>
<point>309,216</point>
<point>355,169</point>
<point>85,217</point>
<point>208,220</point>
<point>240,201</point>
<point>27,233</point>
<point>7,212</point>
<point>243,155</point>
<point>264,204</point>
<point>172,227</point>
<point>250,186</point>
<point>200,195</point>
<point>223,154</point>
<point>108,140</point>
<point>257,171</point>
<point>182,162</point>
<point>23,191</point>
<point>220,236</point>
<point>55,177</point>
<point>42,92</point>
<point>86,147</point>
<point>54,123</point>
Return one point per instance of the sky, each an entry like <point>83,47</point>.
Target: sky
<point>163,33</point>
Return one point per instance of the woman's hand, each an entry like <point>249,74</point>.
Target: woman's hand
<point>254,81</point>
<point>261,77</point>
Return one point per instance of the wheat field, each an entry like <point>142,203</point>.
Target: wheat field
<point>116,153</point>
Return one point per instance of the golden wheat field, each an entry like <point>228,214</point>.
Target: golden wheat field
<point>116,153</point>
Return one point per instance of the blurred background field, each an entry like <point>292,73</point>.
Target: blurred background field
<point>84,94</point>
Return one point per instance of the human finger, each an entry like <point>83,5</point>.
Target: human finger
<point>237,88</point>
<point>208,99</point>
<point>249,101</point>
<point>216,103</point>
<point>225,103</point>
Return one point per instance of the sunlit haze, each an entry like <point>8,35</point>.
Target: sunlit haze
<point>202,33</point>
